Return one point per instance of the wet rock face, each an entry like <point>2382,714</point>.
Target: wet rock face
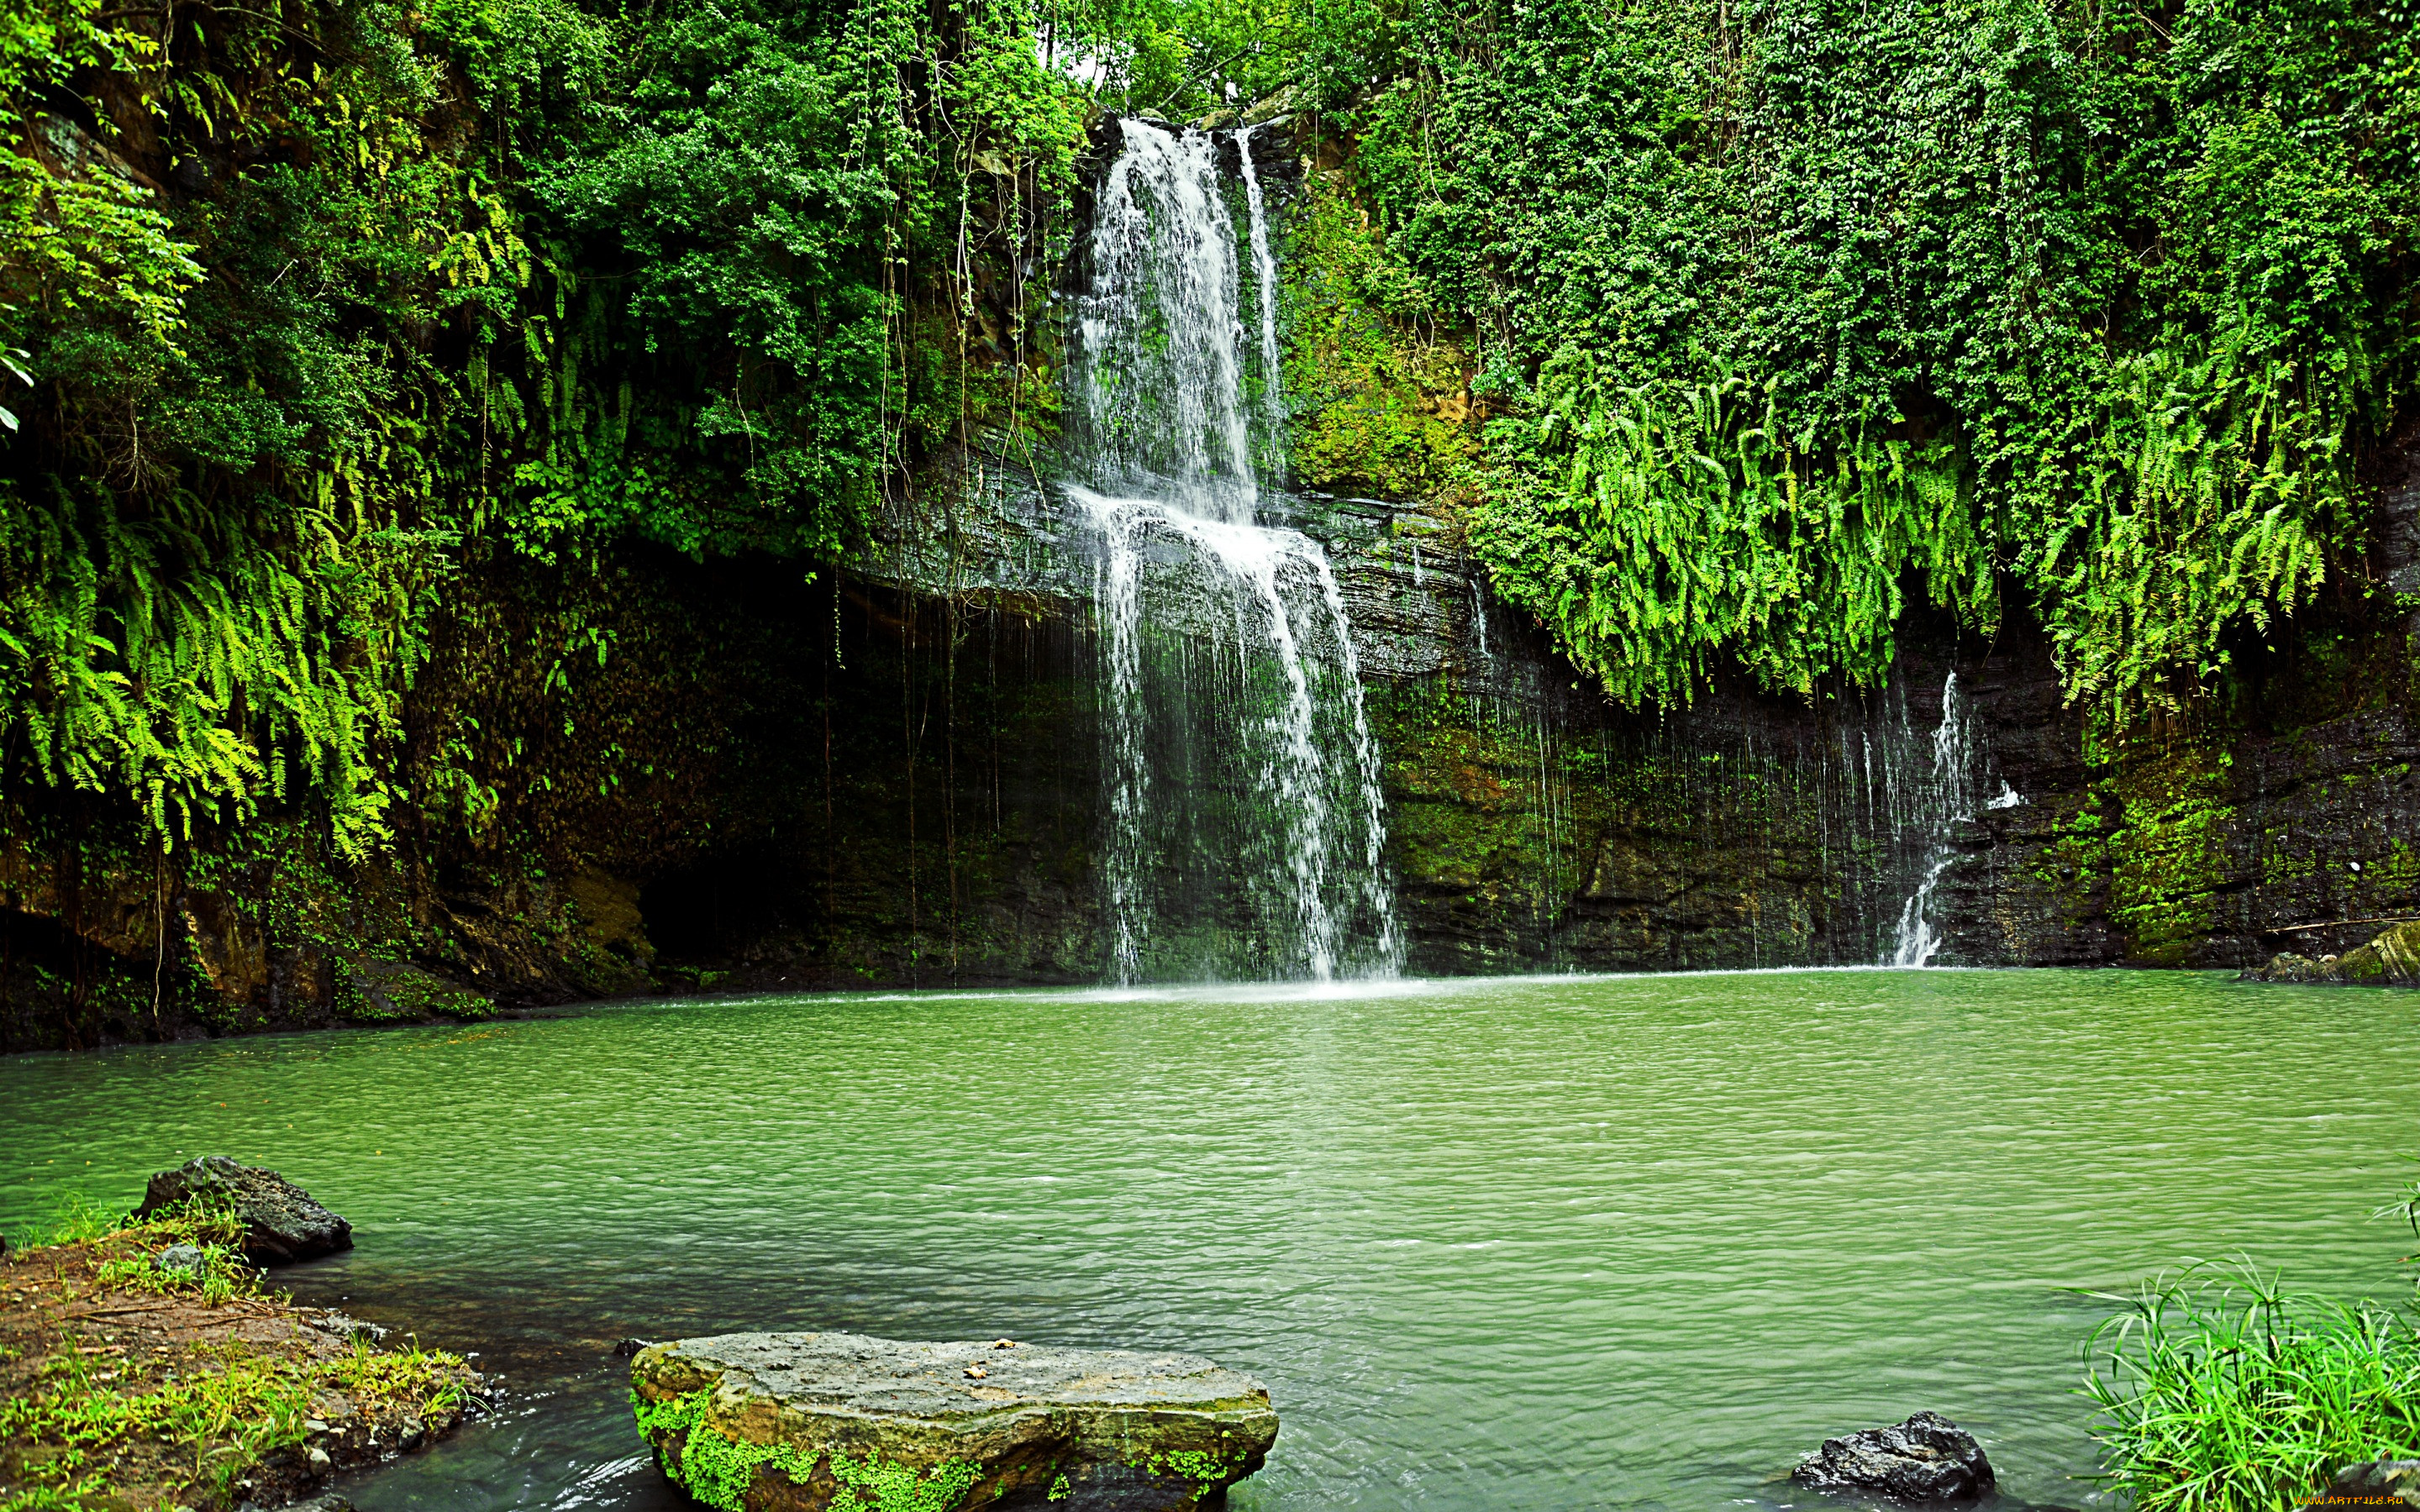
<point>281,1223</point>
<point>1927,1459</point>
<point>803,1422</point>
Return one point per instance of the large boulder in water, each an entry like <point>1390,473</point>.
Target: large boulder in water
<point>281,1223</point>
<point>2391,960</point>
<point>1926,1459</point>
<point>803,1422</point>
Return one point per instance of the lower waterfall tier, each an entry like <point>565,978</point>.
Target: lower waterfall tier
<point>1242,826</point>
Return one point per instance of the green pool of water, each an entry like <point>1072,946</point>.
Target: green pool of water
<point>1528,1243</point>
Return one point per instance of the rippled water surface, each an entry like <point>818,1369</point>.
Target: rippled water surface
<point>1534,1244</point>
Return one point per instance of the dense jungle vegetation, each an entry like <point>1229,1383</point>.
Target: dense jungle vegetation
<point>1770,314</point>
<point>1787,309</point>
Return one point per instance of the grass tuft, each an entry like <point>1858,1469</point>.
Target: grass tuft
<point>2219,1392</point>
<point>129,1385</point>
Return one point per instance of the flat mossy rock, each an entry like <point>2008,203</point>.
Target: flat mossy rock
<point>805,1422</point>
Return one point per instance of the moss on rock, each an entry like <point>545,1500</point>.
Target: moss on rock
<point>842,1423</point>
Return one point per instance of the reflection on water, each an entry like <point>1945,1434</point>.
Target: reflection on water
<point>1537,1243</point>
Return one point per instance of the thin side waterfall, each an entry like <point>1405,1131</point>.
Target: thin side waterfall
<point>1942,802</point>
<point>1246,827</point>
<point>1264,265</point>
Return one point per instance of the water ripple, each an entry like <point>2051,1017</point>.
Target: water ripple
<point>1545,1243</point>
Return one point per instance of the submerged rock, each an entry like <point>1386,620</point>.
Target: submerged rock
<point>1926,1459</point>
<point>2376,1483</point>
<point>800,1422</point>
<point>2289,966</point>
<point>281,1223</point>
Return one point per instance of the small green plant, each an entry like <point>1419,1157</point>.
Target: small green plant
<point>1207,1471</point>
<point>226,1418</point>
<point>77,1220</point>
<point>221,1409</point>
<point>83,1496</point>
<point>222,1274</point>
<point>429,1378</point>
<point>2219,1392</point>
<point>717,1471</point>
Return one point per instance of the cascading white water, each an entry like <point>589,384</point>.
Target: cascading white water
<point>1246,825</point>
<point>1160,375</point>
<point>1946,799</point>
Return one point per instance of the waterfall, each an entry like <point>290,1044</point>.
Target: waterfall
<point>1160,385</point>
<point>1941,803</point>
<point>1264,266</point>
<point>1246,827</point>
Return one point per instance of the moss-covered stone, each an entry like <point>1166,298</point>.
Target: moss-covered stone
<point>2169,859</point>
<point>844,1423</point>
<point>1379,390</point>
<point>2390,960</point>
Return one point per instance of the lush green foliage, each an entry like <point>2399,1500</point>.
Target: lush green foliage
<point>1790,305</point>
<point>2223,1393</point>
<point>316,313</point>
<point>318,307</point>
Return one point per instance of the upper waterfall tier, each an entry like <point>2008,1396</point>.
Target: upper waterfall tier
<point>1246,829</point>
<point>1166,389</point>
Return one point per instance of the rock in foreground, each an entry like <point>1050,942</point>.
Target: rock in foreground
<point>2376,1483</point>
<point>281,1223</point>
<point>1926,1459</point>
<point>123,1376</point>
<point>800,1422</point>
